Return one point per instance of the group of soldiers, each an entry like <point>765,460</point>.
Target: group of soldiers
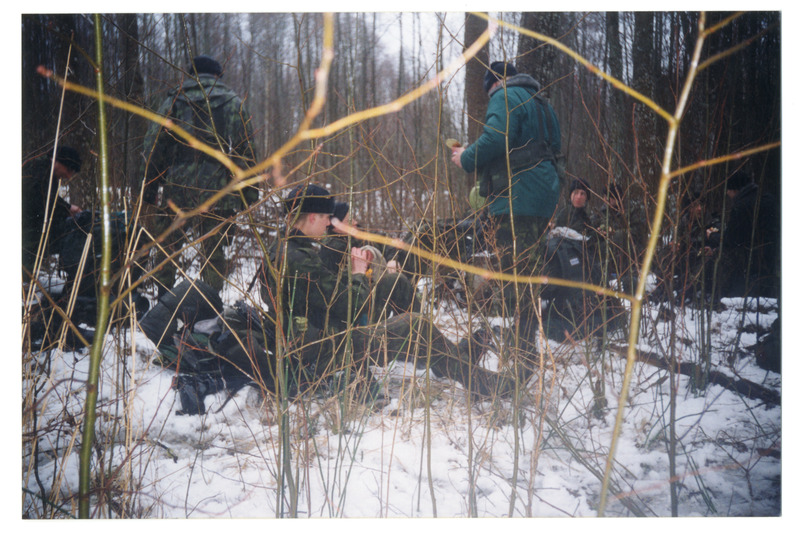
<point>330,303</point>
<point>703,257</point>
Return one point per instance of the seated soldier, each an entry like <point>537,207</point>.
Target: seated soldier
<point>312,317</point>
<point>575,214</point>
<point>749,262</point>
<point>322,309</point>
<point>392,290</point>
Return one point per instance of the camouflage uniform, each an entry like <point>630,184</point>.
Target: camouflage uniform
<point>190,177</point>
<point>392,292</point>
<point>322,310</point>
<point>685,257</point>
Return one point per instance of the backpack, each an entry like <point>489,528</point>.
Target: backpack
<point>577,312</point>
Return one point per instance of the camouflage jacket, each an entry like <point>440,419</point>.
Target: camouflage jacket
<point>189,176</point>
<point>309,288</point>
<point>334,250</point>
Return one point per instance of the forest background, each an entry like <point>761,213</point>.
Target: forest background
<point>393,162</point>
<point>396,164</point>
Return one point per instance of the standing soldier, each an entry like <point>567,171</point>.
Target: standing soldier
<point>515,159</point>
<point>212,113</point>
<point>750,241</point>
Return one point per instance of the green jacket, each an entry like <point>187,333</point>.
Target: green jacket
<point>311,289</point>
<point>517,118</point>
<point>188,176</point>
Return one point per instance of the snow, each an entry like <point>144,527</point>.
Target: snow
<point>431,451</point>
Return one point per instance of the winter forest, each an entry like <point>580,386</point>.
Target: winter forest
<point>649,386</point>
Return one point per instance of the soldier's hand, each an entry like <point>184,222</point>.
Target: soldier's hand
<point>456,155</point>
<point>360,260</point>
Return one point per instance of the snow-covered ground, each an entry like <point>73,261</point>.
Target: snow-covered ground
<point>431,451</point>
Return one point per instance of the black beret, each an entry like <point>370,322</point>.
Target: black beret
<point>69,157</point>
<point>577,183</point>
<point>207,65</point>
<point>340,210</point>
<point>498,70</point>
<point>309,199</point>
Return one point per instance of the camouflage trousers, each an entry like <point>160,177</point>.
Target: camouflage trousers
<point>414,338</point>
<point>244,341</point>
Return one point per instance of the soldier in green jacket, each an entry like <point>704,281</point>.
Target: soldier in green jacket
<point>323,310</point>
<point>215,115</point>
<point>515,160</point>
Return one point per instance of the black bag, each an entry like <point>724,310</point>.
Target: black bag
<point>226,356</point>
<point>568,259</point>
<point>576,311</point>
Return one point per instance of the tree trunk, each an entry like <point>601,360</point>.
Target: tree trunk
<point>476,100</point>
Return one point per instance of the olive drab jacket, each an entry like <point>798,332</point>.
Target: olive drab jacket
<point>518,115</point>
<point>309,289</point>
<point>214,114</point>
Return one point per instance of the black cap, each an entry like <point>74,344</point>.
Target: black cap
<point>577,183</point>
<point>613,190</point>
<point>497,71</point>
<point>340,210</point>
<point>738,181</point>
<point>309,199</point>
<point>207,65</point>
<point>69,157</point>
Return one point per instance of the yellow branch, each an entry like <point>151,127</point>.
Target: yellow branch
<point>488,274</point>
